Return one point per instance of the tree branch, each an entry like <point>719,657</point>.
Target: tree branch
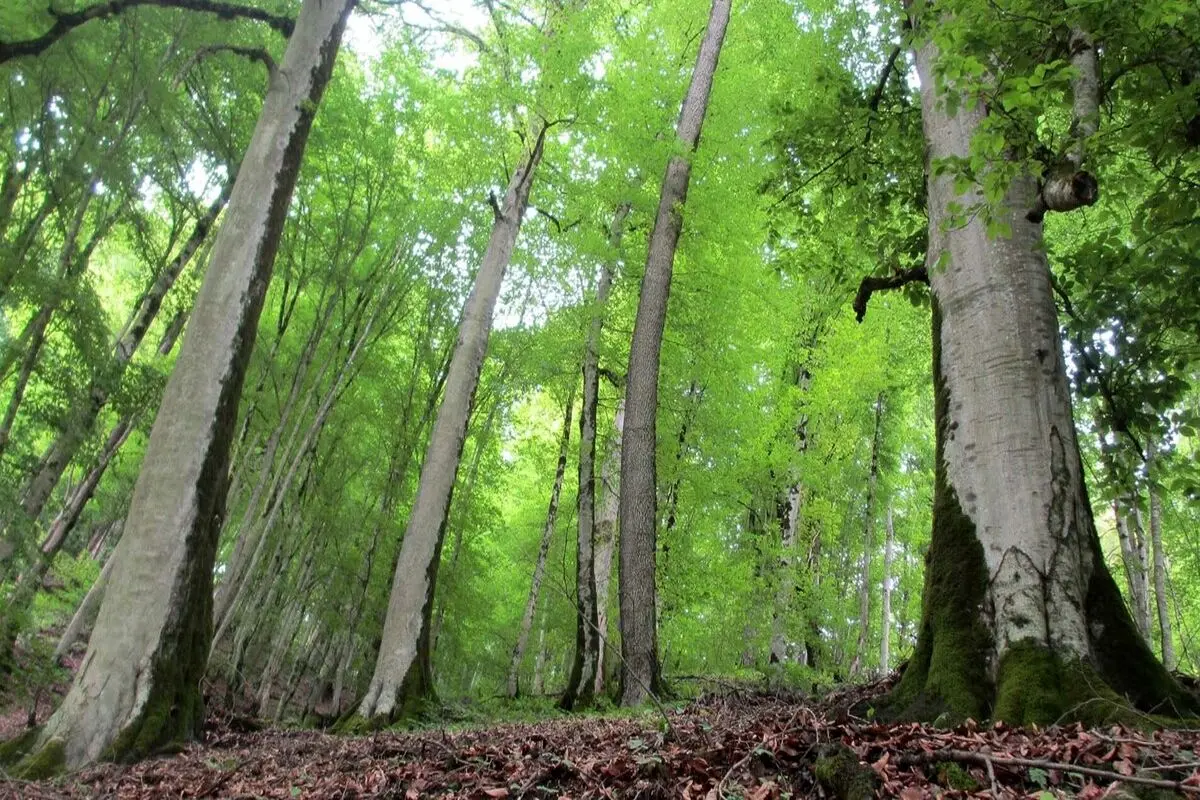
<point>872,284</point>
<point>67,21</point>
<point>986,759</point>
<point>253,53</point>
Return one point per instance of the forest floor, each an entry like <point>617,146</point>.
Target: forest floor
<point>738,744</point>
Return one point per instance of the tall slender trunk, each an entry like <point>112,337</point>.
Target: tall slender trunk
<point>607,515</point>
<point>539,568</point>
<point>885,605</point>
<point>640,671</point>
<point>585,668</point>
<point>403,676</point>
<point>789,528</point>
<point>157,610</point>
<point>1133,557</point>
<point>539,659</point>
<point>1160,557</point>
<point>864,567</point>
<point>79,628</point>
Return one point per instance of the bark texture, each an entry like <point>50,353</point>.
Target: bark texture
<point>403,679</point>
<point>1022,620</point>
<point>137,688</point>
<point>640,674</point>
<point>586,664</point>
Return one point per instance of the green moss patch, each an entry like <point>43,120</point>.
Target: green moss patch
<point>843,775</point>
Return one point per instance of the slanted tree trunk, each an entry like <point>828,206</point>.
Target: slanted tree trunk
<point>640,672</point>
<point>1022,620</point>
<point>539,568</point>
<point>586,664</point>
<point>1160,558</point>
<point>156,614</point>
<point>403,678</point>
<point>80,420</point>
<point>864,566</point>
<point>607,514</point>
<point>885,610</point>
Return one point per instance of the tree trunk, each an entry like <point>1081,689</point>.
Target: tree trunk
<point>585,668</point>
<point>1022,620</point>
<point>157,610</point>
<point>539,569</point>
<point>1160,558</point>
<point>864,592</point>
<point>789,527</point>
<point>640,672</point>
<point>885,610</point>
<point>1133,557</point>
<point>539,660</point>
<point>609,509</point>
<point>403,677</point>
<point>80,420</point>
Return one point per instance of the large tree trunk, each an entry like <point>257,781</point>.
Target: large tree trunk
<point>539,568</point>
<point>586,665</point>
<point>1022,620</point>
<point>139,685</point>
<point>403,677</point>
<point>640,673</point>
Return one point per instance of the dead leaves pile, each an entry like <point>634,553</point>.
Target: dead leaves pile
<point>740,745</point>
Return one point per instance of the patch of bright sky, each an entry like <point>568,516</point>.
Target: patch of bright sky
<point>366,34</point>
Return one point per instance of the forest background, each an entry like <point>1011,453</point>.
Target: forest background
<point>119,150</point>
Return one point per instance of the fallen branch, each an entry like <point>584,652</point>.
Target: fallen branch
<point>986,759</point>
<point>872,284</point>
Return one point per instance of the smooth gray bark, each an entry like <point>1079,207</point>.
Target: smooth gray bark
<point>156,613</point>
<point>403,672</point>
<point>640,672</point>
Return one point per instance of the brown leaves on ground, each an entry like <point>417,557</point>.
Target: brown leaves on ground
<point>737,745</point>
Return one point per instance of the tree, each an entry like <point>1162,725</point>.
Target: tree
<point>1022,620</point>
<point>585,669</point>
<point>640,674</point>
<point>403,679</point>
<point>156,611</point>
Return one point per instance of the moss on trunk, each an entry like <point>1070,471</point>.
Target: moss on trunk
<point>947,672</point>
<point>948,678</point>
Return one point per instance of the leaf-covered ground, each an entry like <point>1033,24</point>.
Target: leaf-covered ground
<point>733,745</point>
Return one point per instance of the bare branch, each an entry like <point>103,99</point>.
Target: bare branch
<point>871,284</point>
<point>67,21</point>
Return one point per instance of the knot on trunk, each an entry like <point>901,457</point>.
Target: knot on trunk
<point>1065,189</point>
